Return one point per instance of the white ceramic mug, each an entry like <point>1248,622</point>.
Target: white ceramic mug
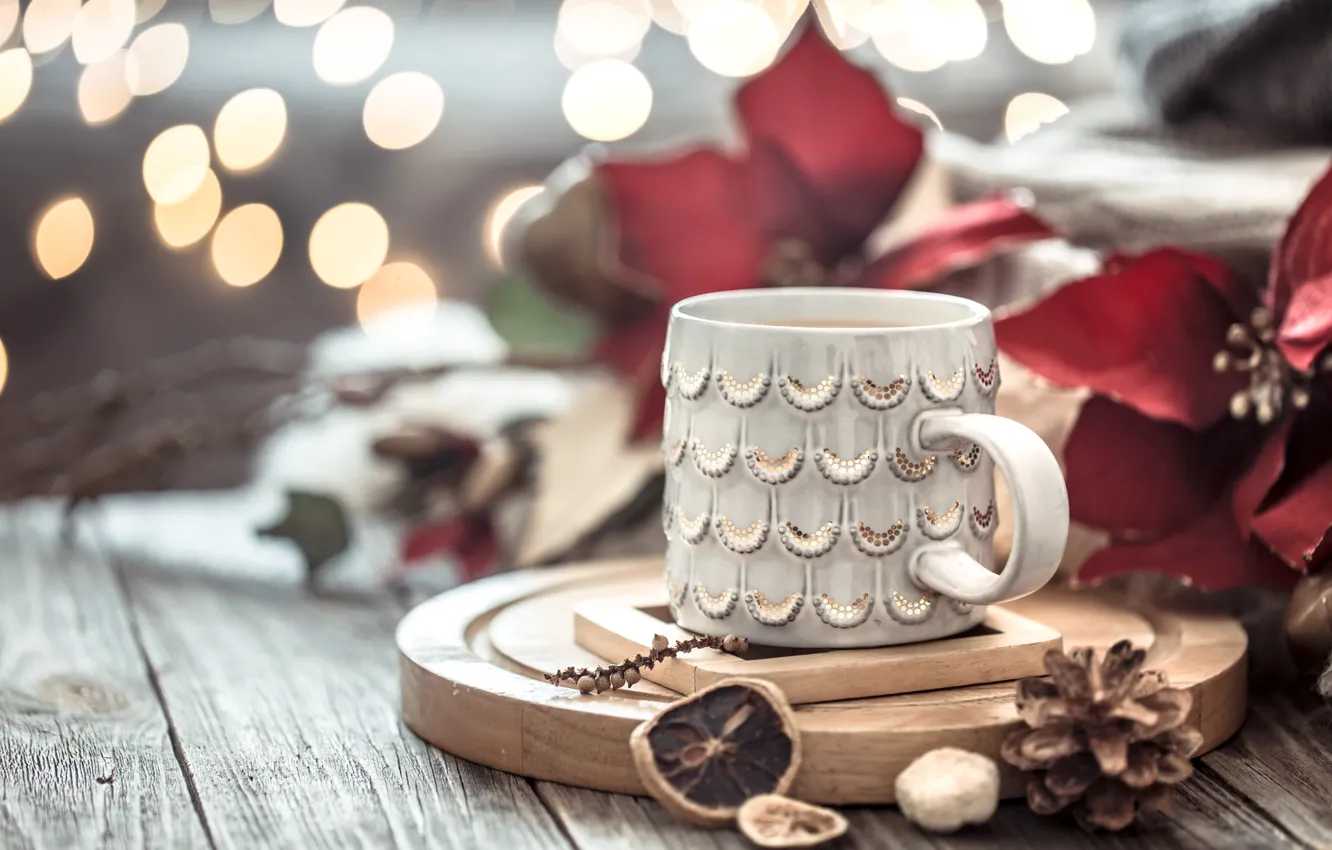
<point>830,457</point>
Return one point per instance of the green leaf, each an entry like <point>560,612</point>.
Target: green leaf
<point>530,321</point>
<point>317,525</point>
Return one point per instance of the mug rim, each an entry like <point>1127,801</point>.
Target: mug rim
<point>973,312</point>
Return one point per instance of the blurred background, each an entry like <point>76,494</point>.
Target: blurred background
<point>181,170</point>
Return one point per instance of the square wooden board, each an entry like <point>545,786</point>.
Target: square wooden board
<point>1006,646</point>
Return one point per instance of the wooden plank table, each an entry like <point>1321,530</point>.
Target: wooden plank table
<point>138,709</point>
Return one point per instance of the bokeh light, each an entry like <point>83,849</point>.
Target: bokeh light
<point>183,224</point>
<point>607,100</point>
<point>1051,31</point>
<point>734,38</point>
<point>837,28</point>
<point>176,163</point>
<point>144,10</point>
<point>101,28</point>
<point>47,24</point>
<point>1030,111</point>
<point>966,28</point>
<point>15,80</point>
<point>4,366</point>
<point>249,129</point>
<point>9,15</point>
<point>247,244</point>
<point>305,13</point>
<point>501,214</point>
<point>402,110</point>
<point>236,11</point>
<point>63,237</point>
<point>348,244</point>
<point>399,298</point>
<point>604,27</point>
<point>103,90</point>
<point>573,58</point>
<point>156,58</point>
<point>914,35</point>
<point>352,44</point>
<point>666,14</point>
<point>918,107</point>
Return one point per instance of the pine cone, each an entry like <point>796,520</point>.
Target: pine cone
<point>1107,734</point>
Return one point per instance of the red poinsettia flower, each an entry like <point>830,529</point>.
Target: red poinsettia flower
<point>824,158</point>
<point>1203,451</point>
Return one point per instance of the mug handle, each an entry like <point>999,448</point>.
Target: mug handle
<point>1040,505</point>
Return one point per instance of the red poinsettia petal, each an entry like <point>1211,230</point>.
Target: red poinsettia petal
<point>469,538</point>
<point>1141,477</point>
<point>966,235</point>
<point>1208,554</point>
<point>1303,260</point>
<point>837,123</point>
<point>1253,486</point>
<point>1306,329</point>
<point>688,222</point>
<point>1143,332</point>
<point>1295,519</point>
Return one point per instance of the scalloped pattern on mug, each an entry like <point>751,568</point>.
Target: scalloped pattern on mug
<point>846,616</point>
<point>673,453</point>
<point>713,464</point>
<point>845,471</point>
<point>983,523</point>
<point>690,385</point>
<point>943,389</point>
<point>987,380</point>
<point>667,370</point>
<point>967,460</point>
<point>675,594</point>
<point>667,517</point>
<point>691,530</point>
<point>747,394</point>
<point>717,607</point>
<point>911,611</point>
<point>809,544</point>
<point>877,397</point>
<point>774,470</point>
<point>739,540</point>
<point>773,613</point>
<point>876,544</point>
<point>810,399</point>
<point>909,470</point>
<point>940,526</point>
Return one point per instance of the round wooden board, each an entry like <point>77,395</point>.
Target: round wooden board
<point>471,660</point>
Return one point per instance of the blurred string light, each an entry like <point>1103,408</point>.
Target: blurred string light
<point>249,129</point>
<point>400,298</point>
<point>573,58</point>
<point>156,58</point>
<point>733,38</point>
<point>144,10</point>
<point>607,100</point>
<point>183,224</point>
<point>63,237</point>
<point>351,45</point>
<point>9,15</point>
<point>402,110</point>
<point>497,221</point>
<point>236,11</point>
<point>666,15</point>
<point>4,366</point>
<point>103,92</point>
<point>922,109</point>
<point>1051,31</point>
<point>247,244</point>
<point>305,13</point>
<point>604,27</point>
<point>47,24</point>
<point>15,80</point>
<point>101,28</point>
<point>348,244</point>
<point>1030,111</point>
<point>836,28</point>
<point>176,163</point>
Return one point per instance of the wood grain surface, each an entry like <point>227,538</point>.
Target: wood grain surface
<point>278,711</point>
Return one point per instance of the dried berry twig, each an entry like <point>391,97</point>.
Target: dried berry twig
<point>628,672</point>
